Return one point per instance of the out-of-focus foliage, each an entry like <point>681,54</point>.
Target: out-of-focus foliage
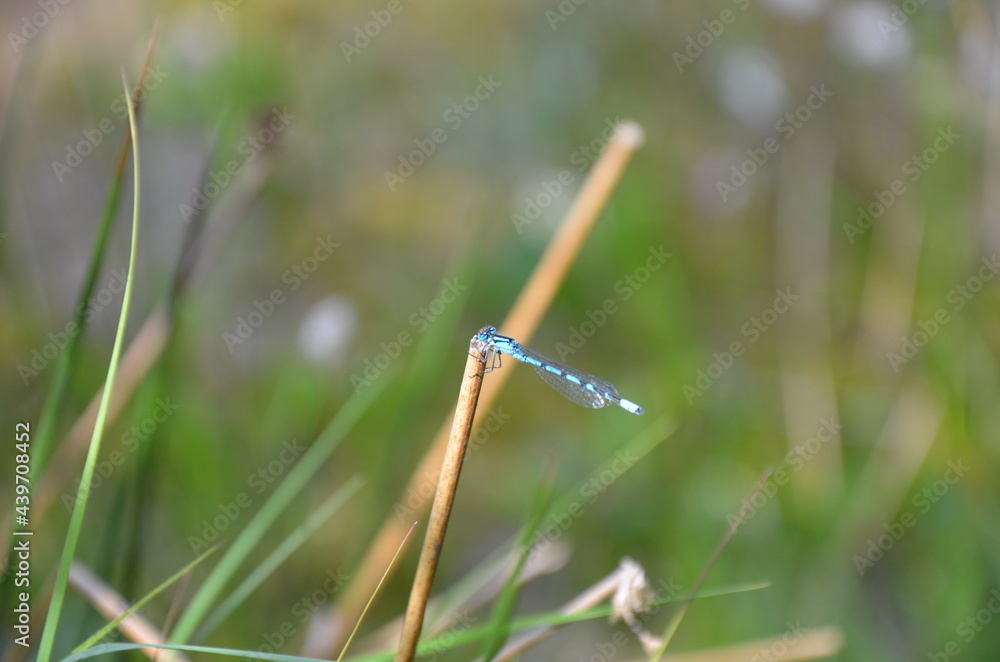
<point>799,267</point>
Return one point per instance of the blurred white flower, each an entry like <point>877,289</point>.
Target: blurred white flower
<point>327,330</point>
<point>751,87</point>
<point>870,34</point>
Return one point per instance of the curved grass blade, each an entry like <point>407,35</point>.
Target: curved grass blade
<point>83,492</point>
<point>55,396</point>
<point>105,649</point>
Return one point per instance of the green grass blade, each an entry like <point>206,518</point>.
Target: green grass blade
<point>454,638</point>
<point>105,649</point>
<point>675,621</point>
<point>285,494</point>
<point>637,449</point>
<point>279,555</point>
<point>83,492</point>
<point>499,626</point>
<point>56,395</point>
<point>439,644</point>
<point>100,634</point>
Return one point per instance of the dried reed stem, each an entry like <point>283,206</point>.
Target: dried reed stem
<point>444,498</point>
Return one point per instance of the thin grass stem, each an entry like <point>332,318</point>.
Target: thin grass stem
<point>675,622</point>
<point>55,397</point>
<point>83,492</point>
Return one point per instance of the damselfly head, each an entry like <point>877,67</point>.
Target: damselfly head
<point>486,333</point>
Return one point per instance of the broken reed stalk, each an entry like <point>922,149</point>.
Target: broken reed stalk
<point>444,498</point>
<point>590,598</point>
<point>521,322</point>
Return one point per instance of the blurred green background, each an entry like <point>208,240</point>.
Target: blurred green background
<point>819,176</point>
